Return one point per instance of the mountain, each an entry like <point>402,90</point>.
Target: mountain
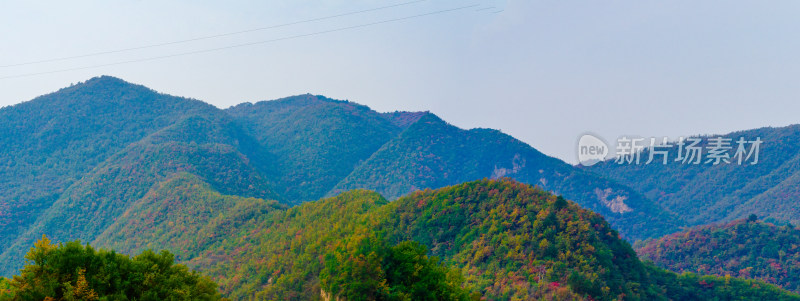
<point>707,193</point>
<point>509,241</point>
<point>81,158</point>
<point>431,153</point>
<point>235,194</point>
<point>493,239</point>
<point>206,143</point>
<point>316,141</point>
<point>324,147</point>
<point>742,248</point>
<point>184,214</point>
<point>49,143</point>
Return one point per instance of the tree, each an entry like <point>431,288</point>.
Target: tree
<point>73,271</point>
<point>403,272</point>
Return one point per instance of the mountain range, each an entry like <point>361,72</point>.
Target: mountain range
<point>291,198</point>
<point>745,248</point>
<point>75,160</point>
<point>711,193</point>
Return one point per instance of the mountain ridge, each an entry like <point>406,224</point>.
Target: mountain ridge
<point>53,140</point>
<point>240,194</point>
<point>745,248</point>
<point>706,193</point>
<point>129,138</point>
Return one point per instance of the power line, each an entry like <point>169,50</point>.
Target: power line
<point>241,45</point>
<point>209,37</point>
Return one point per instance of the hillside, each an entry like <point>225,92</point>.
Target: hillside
<point>501,240</point>
<point>206,146</point>
<point>510,241</point>
<point>82,161</point>
<point>316,141</point>
<point>707,193</point>
<point>183,214</point>
<point>50,142</point>
<point>324,147</point>
<point>742,248</point>
<point>81,157</point>
<point>126,168</point>
<point>431,153</point>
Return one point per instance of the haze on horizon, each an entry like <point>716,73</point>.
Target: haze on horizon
<point>542,71</point>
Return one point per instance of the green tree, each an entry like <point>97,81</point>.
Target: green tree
<point>373,271</point>
<point>73,271</point>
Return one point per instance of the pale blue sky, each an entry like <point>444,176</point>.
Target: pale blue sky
<point>542,71</point>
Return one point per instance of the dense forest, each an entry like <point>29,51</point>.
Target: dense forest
<point>76,160</point>
<point>72,271</point>
<point>706,193</point>
<point>310,198</point>
<point>52,141</point>
<point>745,248</point>
<point>431,153</point>
<point>498,239</point>
<point>505,239</point>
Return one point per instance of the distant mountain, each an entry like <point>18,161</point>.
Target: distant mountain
<point>51,142</point>
<point>316,141</point>
<point>77,159</point>
<point>125,167</point>
<point>431,153</point>
<point>200,140</point>
<point>324,147</point>
<point>742,248</point>
<point>510,241</point>
<point>707,193</point>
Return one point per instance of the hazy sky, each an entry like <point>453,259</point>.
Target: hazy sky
<point>542,71</point>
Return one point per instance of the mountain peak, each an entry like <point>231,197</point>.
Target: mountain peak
<point>404,119</point>
<point>106,79</point>
<point>104,82</point>
<point>295,101</point>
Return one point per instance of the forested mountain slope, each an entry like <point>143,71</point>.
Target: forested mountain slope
<point>76,161</point>
<point>124,167</point>
<point>508,240</point>
<point>706,193</point>
<point>431,153</point>
<point>316,141</point>
<point>324,147</point>
<point>207,146</point>
<point>50,142</point>
<point>182,214</point>
<point>742,248</point>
